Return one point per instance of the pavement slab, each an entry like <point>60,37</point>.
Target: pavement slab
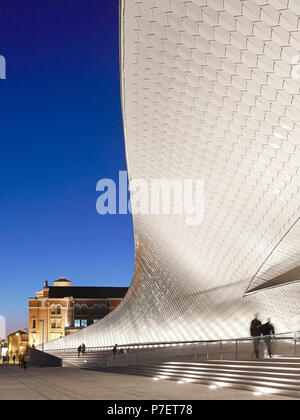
<point>76,384</point>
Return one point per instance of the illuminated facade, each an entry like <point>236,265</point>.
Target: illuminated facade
<point>61,309</point>
<point>17,344</point>
<point>210,90</point>
<point>3,348</point>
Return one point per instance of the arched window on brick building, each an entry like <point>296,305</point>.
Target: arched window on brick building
<point>84,309</point>
<point>77,310</point>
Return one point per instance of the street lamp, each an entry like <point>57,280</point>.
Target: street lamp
<point>43,339</point>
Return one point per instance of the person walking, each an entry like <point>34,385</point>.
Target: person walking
<point>14,359</point>
<point>115,349</point>
<point>268,332</point>
<point>83,349</point>
<point>25,361</point>
<point>255,331</point>
<point>79,350</point>
<point>21,360</point>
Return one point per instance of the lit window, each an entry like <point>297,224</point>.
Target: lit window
<point>84,323</point>
<point>77,323</point>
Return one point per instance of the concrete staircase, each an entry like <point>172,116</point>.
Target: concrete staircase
<point>92,361</point>
<point>275,376</point>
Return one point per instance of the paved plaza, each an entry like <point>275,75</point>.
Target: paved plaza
<point>75,384</point>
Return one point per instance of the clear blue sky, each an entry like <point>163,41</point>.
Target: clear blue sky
<point>61,131</point>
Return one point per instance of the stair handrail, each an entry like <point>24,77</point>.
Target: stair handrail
<point>139,346</point>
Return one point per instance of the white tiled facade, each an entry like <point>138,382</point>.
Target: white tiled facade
<point>211,89</point>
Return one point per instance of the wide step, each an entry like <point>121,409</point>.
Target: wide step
<point>257,377</point>
<point>275,376</point>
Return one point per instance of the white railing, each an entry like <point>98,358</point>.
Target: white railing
<point>283,345</point>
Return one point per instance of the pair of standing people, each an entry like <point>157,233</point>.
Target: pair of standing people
<point>257,330</point>
<point>81,349</point>
<point>24,361</point>
<point>5,360</point>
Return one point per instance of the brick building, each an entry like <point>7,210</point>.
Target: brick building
<point>17,344</point>
<point>62,309</point>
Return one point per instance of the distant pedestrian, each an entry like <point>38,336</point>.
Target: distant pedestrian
<point>21,360</point>
<point>256,333</point>
<point>14,359</point>
<point>7,360</point>
<point>115,349</point>
<point>268,332</point>
<point>83,349</point>
<point>79,350</point>
<point>25,361</point>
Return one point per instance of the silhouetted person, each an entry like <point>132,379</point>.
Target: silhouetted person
<point>255,331</point>
<point>115,349</point>
<point>79,350</point>
<point>25,361</point>
<point>83,349</point>
<point>268,331</point>
<point>14,359</point>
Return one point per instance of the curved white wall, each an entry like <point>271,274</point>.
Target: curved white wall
<point>209,91</point>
